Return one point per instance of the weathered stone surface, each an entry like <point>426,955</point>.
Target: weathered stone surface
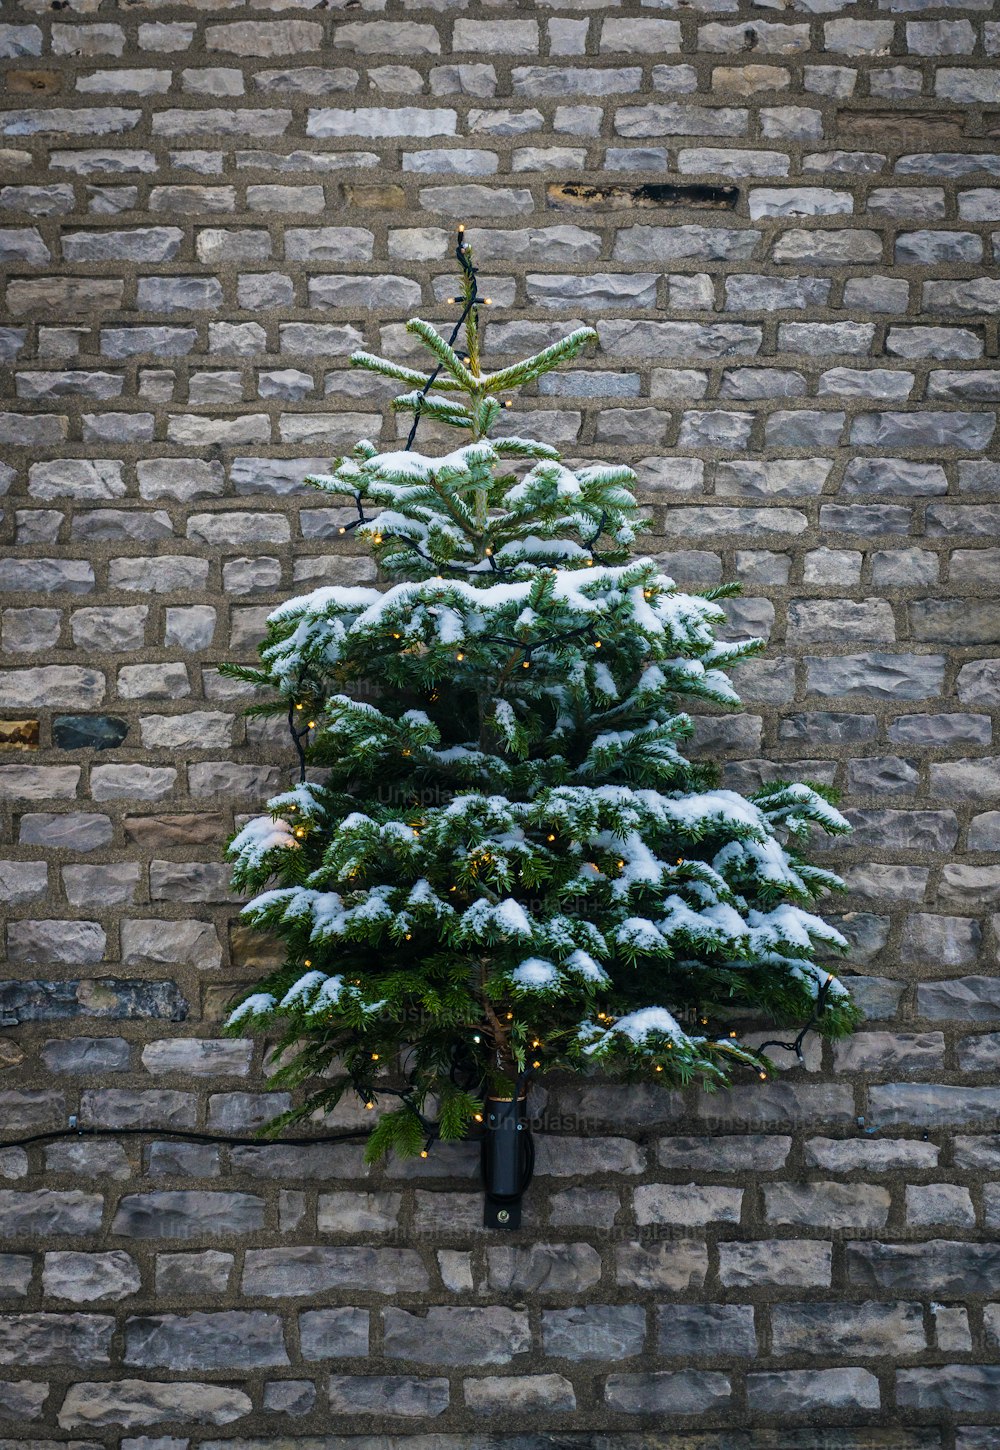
<point>687,1331</point>
<point>941,1268</point>
<point>193,943</point>
<point>44,1339</point>
<point>848,1330</point>
<point>184,1214</point>
<point>333,1334</point>
<point>74,943</point>
<point>52,1001</point>
<point>803,1390</point>
<point>674,1392</point>
<point>402,1395</point>
<point>222,1340</point>
<point>87,1277</point>
<point>134,1404</point>
<point>122,1108</point>
<point>204,1273</point>
<point>594,1332</point>
<point>784,1263</point>
<point>22,1400</point>
<point>544,1268</point>
<point>673,1266</point>
<point>86,1054</point>
<point>197,1057</point>
<point>488,1334</point>
<point>15,1275</point>
<point>357,1213</point>
<point>276,1273</point>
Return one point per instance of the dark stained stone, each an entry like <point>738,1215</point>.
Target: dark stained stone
<point>114,997</point>
<point>88,732</point>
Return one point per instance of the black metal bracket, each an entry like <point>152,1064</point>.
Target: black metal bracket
<point>507,1159</point>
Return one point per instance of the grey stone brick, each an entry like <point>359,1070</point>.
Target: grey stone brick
<point>717,160</point>
<point>188,1160</point>
<point>70,942</point>
<point>673,1266</point>
<point>407,121</point>
<point>22,1400</point>
<point>85,1278</point>
<point>782,478</point>
<point>882,676</point>
<point>354,1213</point>
<point>487,1334</point>
<point>978,682</point>
<point>122,1108</point>
<point>549,1268</point>
<point>402,1395</point>
<point>930,1204</point>
<point>48,1001</point>
<point>143,782</point>
<point>135,1403</point>
<point>22,881</point>
<point>834,1204</point>
<point>872,1155</point>
<point>204,1272</point>
<point>230,1112</point>
<point>829,337</point>
<point>799,1391</point>
<point>785,1263</point>
<point>198,1057</point>
<point>53,1339</point>
<point>688,1203</point>
<point>86,1054</point>
<point>538,1393</point>
<point>933,1104</point>
<point>686,1331</point>
<point>680,120</point>
<point>187,1214</point>
<point>885,1052</point>
<point>678,1392</point>
<point>958,1387</point>
<point>594,1332</point>
<point>206,1340</point>
<point>41,783</point>
<point>290,1397</point>
<point>278,1273</point>
<point>48,1211</point>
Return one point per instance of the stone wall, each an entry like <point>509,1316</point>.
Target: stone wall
<point>782,221</point>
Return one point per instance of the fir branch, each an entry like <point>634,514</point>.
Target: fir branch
<point>541,362</point>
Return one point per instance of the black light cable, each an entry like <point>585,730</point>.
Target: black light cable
<point>76,1130</point>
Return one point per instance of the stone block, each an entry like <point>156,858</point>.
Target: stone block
<point>133,1404</point>
<point>290,1272</point>
<point>209,1340</point>
<point>594,1332</point>
<point>84,1278</point>
<point>444,1334</point>
<point>44,1339</point>
<point>187,1214</point>
<point>669,1392</point>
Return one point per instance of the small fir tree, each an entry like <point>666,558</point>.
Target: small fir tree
<point>501,860</point>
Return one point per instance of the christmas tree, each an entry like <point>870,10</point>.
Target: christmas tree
<point>500,860</point>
